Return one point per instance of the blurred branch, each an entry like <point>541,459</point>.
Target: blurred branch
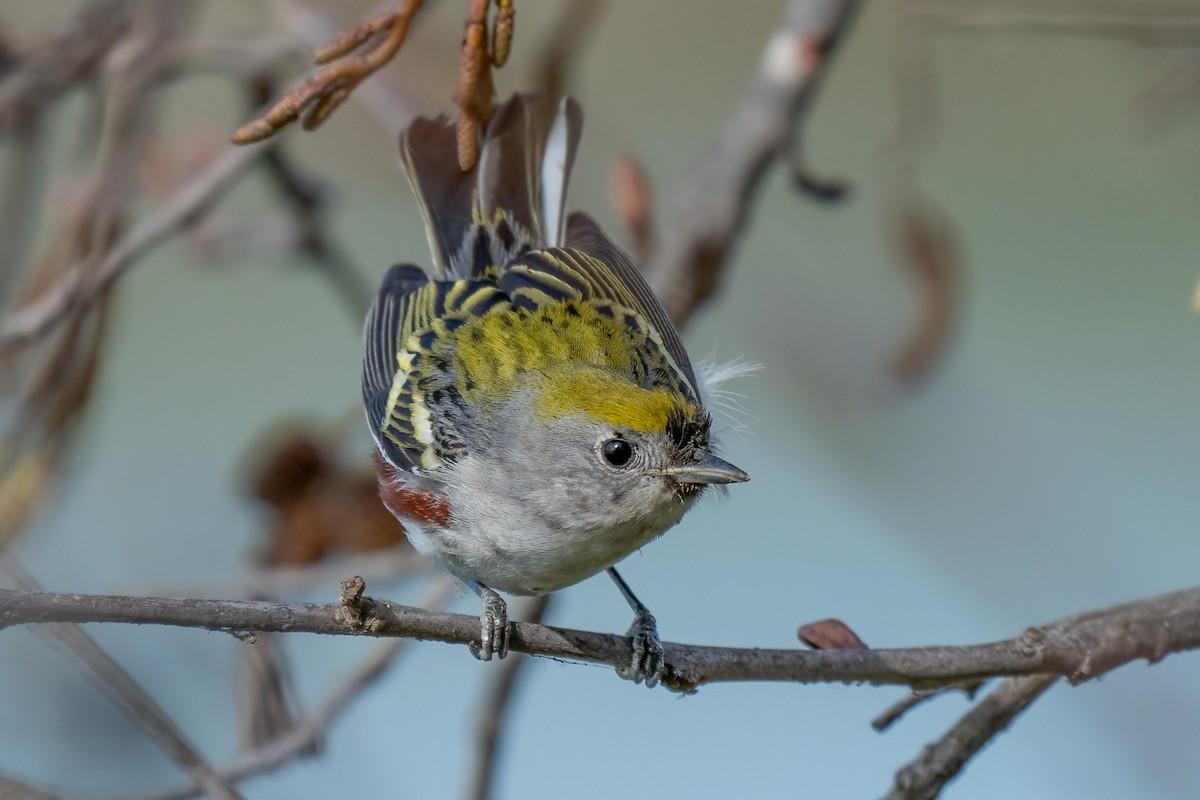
<point>125,692</point>
<point>192,200</point>
<point>305,737</point>
<point>1079,647</point>
<point>54,65</point>
<point>495,709</point>
<point>24,180</point>
<point>711,207</point>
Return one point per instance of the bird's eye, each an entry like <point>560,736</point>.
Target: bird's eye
<point>617,452</point>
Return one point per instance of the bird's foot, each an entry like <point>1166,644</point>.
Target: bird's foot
<point>648,663</point>
<point>493,627</point>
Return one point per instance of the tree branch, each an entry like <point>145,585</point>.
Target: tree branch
<point>925,777</point>
<point>711,208</point>
<point>1078,648</point>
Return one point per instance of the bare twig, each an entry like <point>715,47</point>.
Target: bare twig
<point>711,207</point>
<point>895,712</point>
<point>495,708</point>
<point>126,693</point>
<point>1080,647</point>
<point>924,777</point>
<point>306,736</point>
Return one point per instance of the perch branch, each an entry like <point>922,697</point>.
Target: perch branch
<point>1079,648</point>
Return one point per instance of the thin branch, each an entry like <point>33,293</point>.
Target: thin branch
<point>925,776</point>
<point>306,736</point>
<point>712,206</point>
<point>895,712</point>
<point>495,709</point>
<point>1080,647</point>
<point>126,693</point>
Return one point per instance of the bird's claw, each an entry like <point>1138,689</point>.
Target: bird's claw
<point>493,627</point>
<point>648,663</point>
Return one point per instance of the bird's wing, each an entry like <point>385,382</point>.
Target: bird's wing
<point>409,316</point>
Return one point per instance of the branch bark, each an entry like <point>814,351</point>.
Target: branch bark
<point>1079,648</point>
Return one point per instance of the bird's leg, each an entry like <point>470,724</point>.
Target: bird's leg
<point>493,624</point>
<point>648,663</point>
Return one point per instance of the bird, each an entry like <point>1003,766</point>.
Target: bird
<point>535,414</point>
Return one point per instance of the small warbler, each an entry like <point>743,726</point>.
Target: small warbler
<point>536,416</point>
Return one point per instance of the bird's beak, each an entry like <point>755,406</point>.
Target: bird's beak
<point>709,469</point>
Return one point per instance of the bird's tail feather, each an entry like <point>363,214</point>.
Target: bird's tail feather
<point>511,201</point>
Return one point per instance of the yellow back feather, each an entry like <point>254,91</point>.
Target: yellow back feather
<point>581,361</point>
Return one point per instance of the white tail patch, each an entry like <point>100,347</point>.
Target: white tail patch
<point>554,178</point>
